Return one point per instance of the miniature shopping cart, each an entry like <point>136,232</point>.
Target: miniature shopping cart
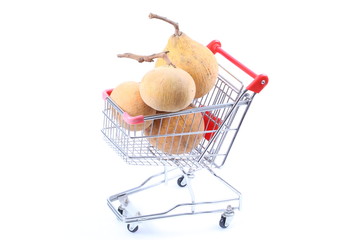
<point>183,150</point>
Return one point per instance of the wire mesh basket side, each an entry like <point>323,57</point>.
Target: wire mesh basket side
<point>166,141</point>
<point>184,139</point>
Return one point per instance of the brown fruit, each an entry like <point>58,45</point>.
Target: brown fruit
<point>191,56</point>
<point>182,124</point>
<point>127,97</point>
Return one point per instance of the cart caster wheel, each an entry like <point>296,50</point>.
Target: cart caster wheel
<point>132,229</point>
<point>182,182</point>
<point>227,217</point>
<point>222,222</point>
<point>120,210</point>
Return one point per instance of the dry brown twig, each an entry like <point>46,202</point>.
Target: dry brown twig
<point>175,24</point>
<point>149,58</point>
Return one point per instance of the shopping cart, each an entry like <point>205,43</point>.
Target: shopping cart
<point>199,137</point>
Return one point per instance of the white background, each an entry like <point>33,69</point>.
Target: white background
<point>292,156</point>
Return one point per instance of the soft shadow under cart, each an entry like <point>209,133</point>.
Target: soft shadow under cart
<point>222,109</point>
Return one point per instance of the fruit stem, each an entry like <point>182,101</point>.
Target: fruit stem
<point>175,24</point>
<point>149,58</point>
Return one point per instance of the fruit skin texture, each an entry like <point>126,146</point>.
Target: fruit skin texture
<point>126,95</point>
<point>188,123</point>
<point>167,89</point>
<point>195,59</point>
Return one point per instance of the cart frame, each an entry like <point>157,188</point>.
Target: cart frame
<point>224,109</point>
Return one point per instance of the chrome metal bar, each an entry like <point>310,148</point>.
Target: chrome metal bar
<point>166,214</point>
<point>140,187</point>
<point>227,184</point>
<point>234,137</point>
<point>221,126</point>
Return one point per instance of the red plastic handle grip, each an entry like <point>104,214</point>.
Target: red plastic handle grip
<point>259,81</point>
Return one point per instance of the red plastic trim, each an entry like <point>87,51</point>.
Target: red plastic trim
<point>126,117</point>
<point>211,123</point>
<point>133,120</point>
<point>106,93</point>
<point>259,82</point>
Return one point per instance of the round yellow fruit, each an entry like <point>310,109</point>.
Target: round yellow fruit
<point>167,88</point>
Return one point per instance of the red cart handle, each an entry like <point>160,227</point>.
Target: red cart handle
<point>259,82</point>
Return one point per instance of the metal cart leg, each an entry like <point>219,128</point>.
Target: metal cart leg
<point>188,177</point>
<point>126,212</point>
